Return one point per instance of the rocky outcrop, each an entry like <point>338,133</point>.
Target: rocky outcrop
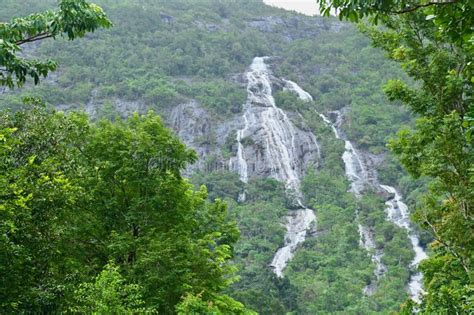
<point>259,159</point>
<point>198,130</point>
<point>295,27</point>
<point>268,143</point>
<point>166,18</point>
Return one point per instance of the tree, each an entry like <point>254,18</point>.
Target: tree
<point>36,154</point>
<point>73,19</point>
<point>165,235</point>
<point>80,199</point>
<point>77,195</point>
<point>38,202</point>
<point>434,43</point>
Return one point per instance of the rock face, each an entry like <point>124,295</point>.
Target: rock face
<point>198,130</point>
<point>262,161</point>
<point>295,27</point>
<point>262,128</point>
<point>268,144</point>
<point>191,124</point>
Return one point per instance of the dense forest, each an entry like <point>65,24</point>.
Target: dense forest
<point>118,120</point>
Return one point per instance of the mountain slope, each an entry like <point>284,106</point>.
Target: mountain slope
<point>187,61</point>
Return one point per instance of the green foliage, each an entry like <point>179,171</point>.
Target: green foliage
<point>176,46</point>
<point>123,200</point>
<point>109,294</point>
<point>193,304</point>
<point>261,236</point>
<point>330,271</point>
<point>220,184</point>
<point>289,101</point>
<point>219,96</point>
<point>76,195</point>
<point>73,19</point>
<point>37,198</point>
<point>345,74</point>
<point>439,13</point>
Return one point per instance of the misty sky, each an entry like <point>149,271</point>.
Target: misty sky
<point>308,7</point>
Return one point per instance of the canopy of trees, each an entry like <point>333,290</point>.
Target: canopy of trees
<point>95,217</point>
<point>79,199</point>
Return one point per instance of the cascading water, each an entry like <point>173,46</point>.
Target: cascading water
<point>279,133</point>
<point>357,174</point>
<point>280,152</point>
<point>242,164</point>
<point>397,212</point>
<point>302,94</point>
<point>297,226</point>
<point>242,167</point>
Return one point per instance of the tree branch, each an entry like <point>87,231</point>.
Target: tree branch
<point>448,248</point>
<point>419,6</point>
<point>35,38</point>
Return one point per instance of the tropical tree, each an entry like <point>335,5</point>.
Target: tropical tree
<point>434,43</point>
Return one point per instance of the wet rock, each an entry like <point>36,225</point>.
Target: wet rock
<point>167,19</point>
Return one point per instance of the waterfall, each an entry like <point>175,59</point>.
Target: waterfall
<point>302,94</point>
<point>242,167</point>
<point>278,134</point>
<point>280,150</point>
<point>357,175</point>
<point>397,212</point>
<point>242,164</point>
<point>297,226</point>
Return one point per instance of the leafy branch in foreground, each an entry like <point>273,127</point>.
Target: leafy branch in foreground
<point>74,19</point>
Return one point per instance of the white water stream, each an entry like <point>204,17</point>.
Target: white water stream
<point>281,153</point>
<point>357,174</point>
<point>397,212</point>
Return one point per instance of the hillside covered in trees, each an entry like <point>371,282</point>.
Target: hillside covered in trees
<point>136,177</point>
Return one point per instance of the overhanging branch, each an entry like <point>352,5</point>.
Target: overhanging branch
<point>34,38</point>
<point>419,6</point>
